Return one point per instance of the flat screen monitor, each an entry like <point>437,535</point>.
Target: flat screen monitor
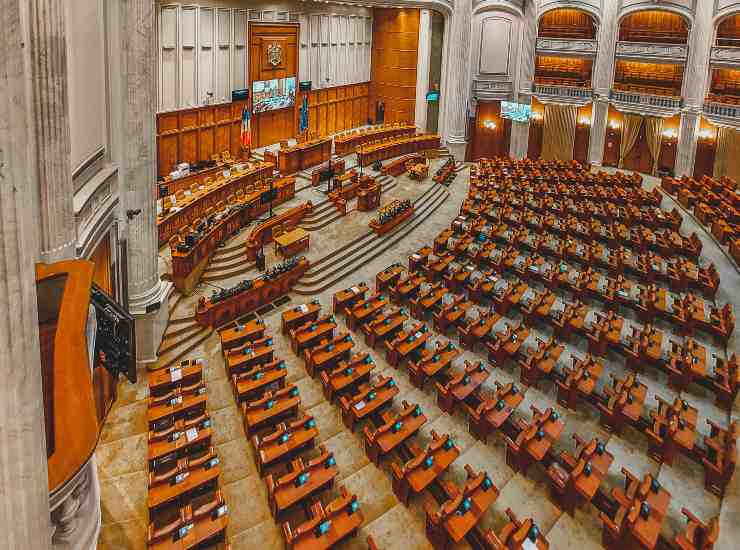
<point>519,112</point>
<point>432,95</point>
<point>271,95</point>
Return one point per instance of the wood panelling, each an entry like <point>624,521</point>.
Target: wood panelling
<point>669,144</point>
<point>567,23</point>
<point>193,135</point>
<point>651,77</point>
<point>583,133</point>
<point>393,68</point>
<point>613,137</point>
<point>563,70</point>
<point>332,110</point>
<point>726,82</point>
<point>272,126</point>
<point>654,26</point>
<point>487,142</point>
<point>706,150</point>
<point>728,31</point>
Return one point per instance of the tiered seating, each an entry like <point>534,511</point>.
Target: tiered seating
<point>389,431</point>
<point>715,203</point>
<point>282,434</point>
<point>186,507</point>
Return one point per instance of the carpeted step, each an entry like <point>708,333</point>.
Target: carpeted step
<point>180,352</point>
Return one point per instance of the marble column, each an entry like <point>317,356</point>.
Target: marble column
<point>48,72</point>
<point>458,86</point>
<point>24,507</point>
<point>696,76</point>
<point>519,143</point>
<point>137,171</point>
<point>424,53</point>
<point>602,78</point>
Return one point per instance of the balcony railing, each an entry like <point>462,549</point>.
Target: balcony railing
<point>570,94</point>
<point>676,53</point>
<point>723,112</point>
<point>492,89</point>
<point>570,46</point>
<point>647,102</point>
<point>725,55</point>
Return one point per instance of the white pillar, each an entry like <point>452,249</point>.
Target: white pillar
<point>423,61</point>
<point>602,78</point>
<point>48,70</point>
<point>694,87</point>
<point>457,86</point>
<point>137,170</point>
<point>24,506</point>
<point>519,144</point>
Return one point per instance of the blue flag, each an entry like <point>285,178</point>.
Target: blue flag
<point>303,123</point>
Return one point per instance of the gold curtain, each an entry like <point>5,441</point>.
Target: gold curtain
<point>559,132</point>
<point>727,157</point>
<point>653,133</point>
<point>630,132</point>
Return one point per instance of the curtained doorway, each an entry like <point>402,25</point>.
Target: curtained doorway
<point>639,158</point>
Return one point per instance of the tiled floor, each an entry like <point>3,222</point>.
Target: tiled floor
<point>123,444</point>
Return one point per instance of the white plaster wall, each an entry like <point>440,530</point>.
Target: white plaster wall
<point>86,79</point>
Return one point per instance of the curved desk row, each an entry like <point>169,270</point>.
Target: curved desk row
<point>396,147</point>
<point>262,234</point>
<point>196,206</point>
<point>346,144</point>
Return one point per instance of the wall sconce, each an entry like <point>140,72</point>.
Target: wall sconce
<point>670,133</point>
<point>614,125</point>
<point>489,124</point>
<point>537,116</point>
<point>584,121</point>
<point>706,135</point>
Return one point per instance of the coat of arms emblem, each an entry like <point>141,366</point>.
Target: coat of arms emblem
<point>274,54</point>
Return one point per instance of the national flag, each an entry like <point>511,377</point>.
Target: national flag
<point>246,131</point>
<point>303,123</point>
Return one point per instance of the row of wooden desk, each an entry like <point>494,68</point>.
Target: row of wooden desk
<point>347,143</point>
<point>396,147</point>
<point>282,435</point>
<point>346,377</point>
<point>196,204</point>
<point>301,156</point>
<point>186,507</point>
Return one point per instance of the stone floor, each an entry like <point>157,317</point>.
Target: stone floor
<point>122,449</point>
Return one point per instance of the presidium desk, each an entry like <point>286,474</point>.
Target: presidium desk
<point>368,154</point>
<point>247,296</point>
<point>302,155</point>
<point>196,205</point>
<point>188,266</point>
<point>347,143</point>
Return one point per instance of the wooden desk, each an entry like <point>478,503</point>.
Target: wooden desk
<point>304,155</point>
<point>363,311</point>
<point>347,376</point>
<point>185,480</point>
<point>368,154</point>
<point>388,277</point>
<point>253,383</point>
<point>328,526</point>
<point>394,431</point>
<point>326,356</point>
<point>195,206</point>
<point>368,401</point>
<point>346,298</point>
<point>300,315</point>
<point>291,243</point>
<point>431,363</point>
<point>179,443</point>
<point>210,524</point>
<point>384,327</point>
<point>249,355</point>
<point>239,334</point>
<point>493,413</point>
<point>310,334</point>
<point>261,291</point>
<point>301,483</point>
<point>405,343</point>
<point>348,143</point>
<point>165,380</point>
<point>274,406</point>
<point>424,468</point>
<point>459,388</point>
<point>337,167</point>
<point>261,234</point>
<point>286,441</point>
<point>179,406</point>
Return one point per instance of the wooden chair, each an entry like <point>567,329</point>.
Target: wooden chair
<point>698,536</point>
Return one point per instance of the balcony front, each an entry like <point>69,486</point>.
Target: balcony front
<point>722,104</point>
<point>726,49</point>
<point>647,88</point>
<point>653,35</point>
<point>570,32</point>
<point>562,79</point>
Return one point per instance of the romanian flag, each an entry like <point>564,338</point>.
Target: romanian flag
<point>246,132</point>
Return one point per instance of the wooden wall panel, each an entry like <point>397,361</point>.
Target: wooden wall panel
<point>191,135</point>
<point>394,60</point>
<point>333,110</point>
<point>489,143</point>
<point>567,23</point>
<point>583,133</point>
<point>654,26</point>
<point>613,137</point>
<point>273,126</point>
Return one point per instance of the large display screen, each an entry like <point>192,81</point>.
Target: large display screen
<point>519,112</point>
<point>270,95</point>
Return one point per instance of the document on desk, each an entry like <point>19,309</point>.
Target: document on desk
<point>191,434</point>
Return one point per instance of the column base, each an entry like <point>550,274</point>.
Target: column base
<point>75,511</point>
<point>150,325</point>
<point>456,140</point>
